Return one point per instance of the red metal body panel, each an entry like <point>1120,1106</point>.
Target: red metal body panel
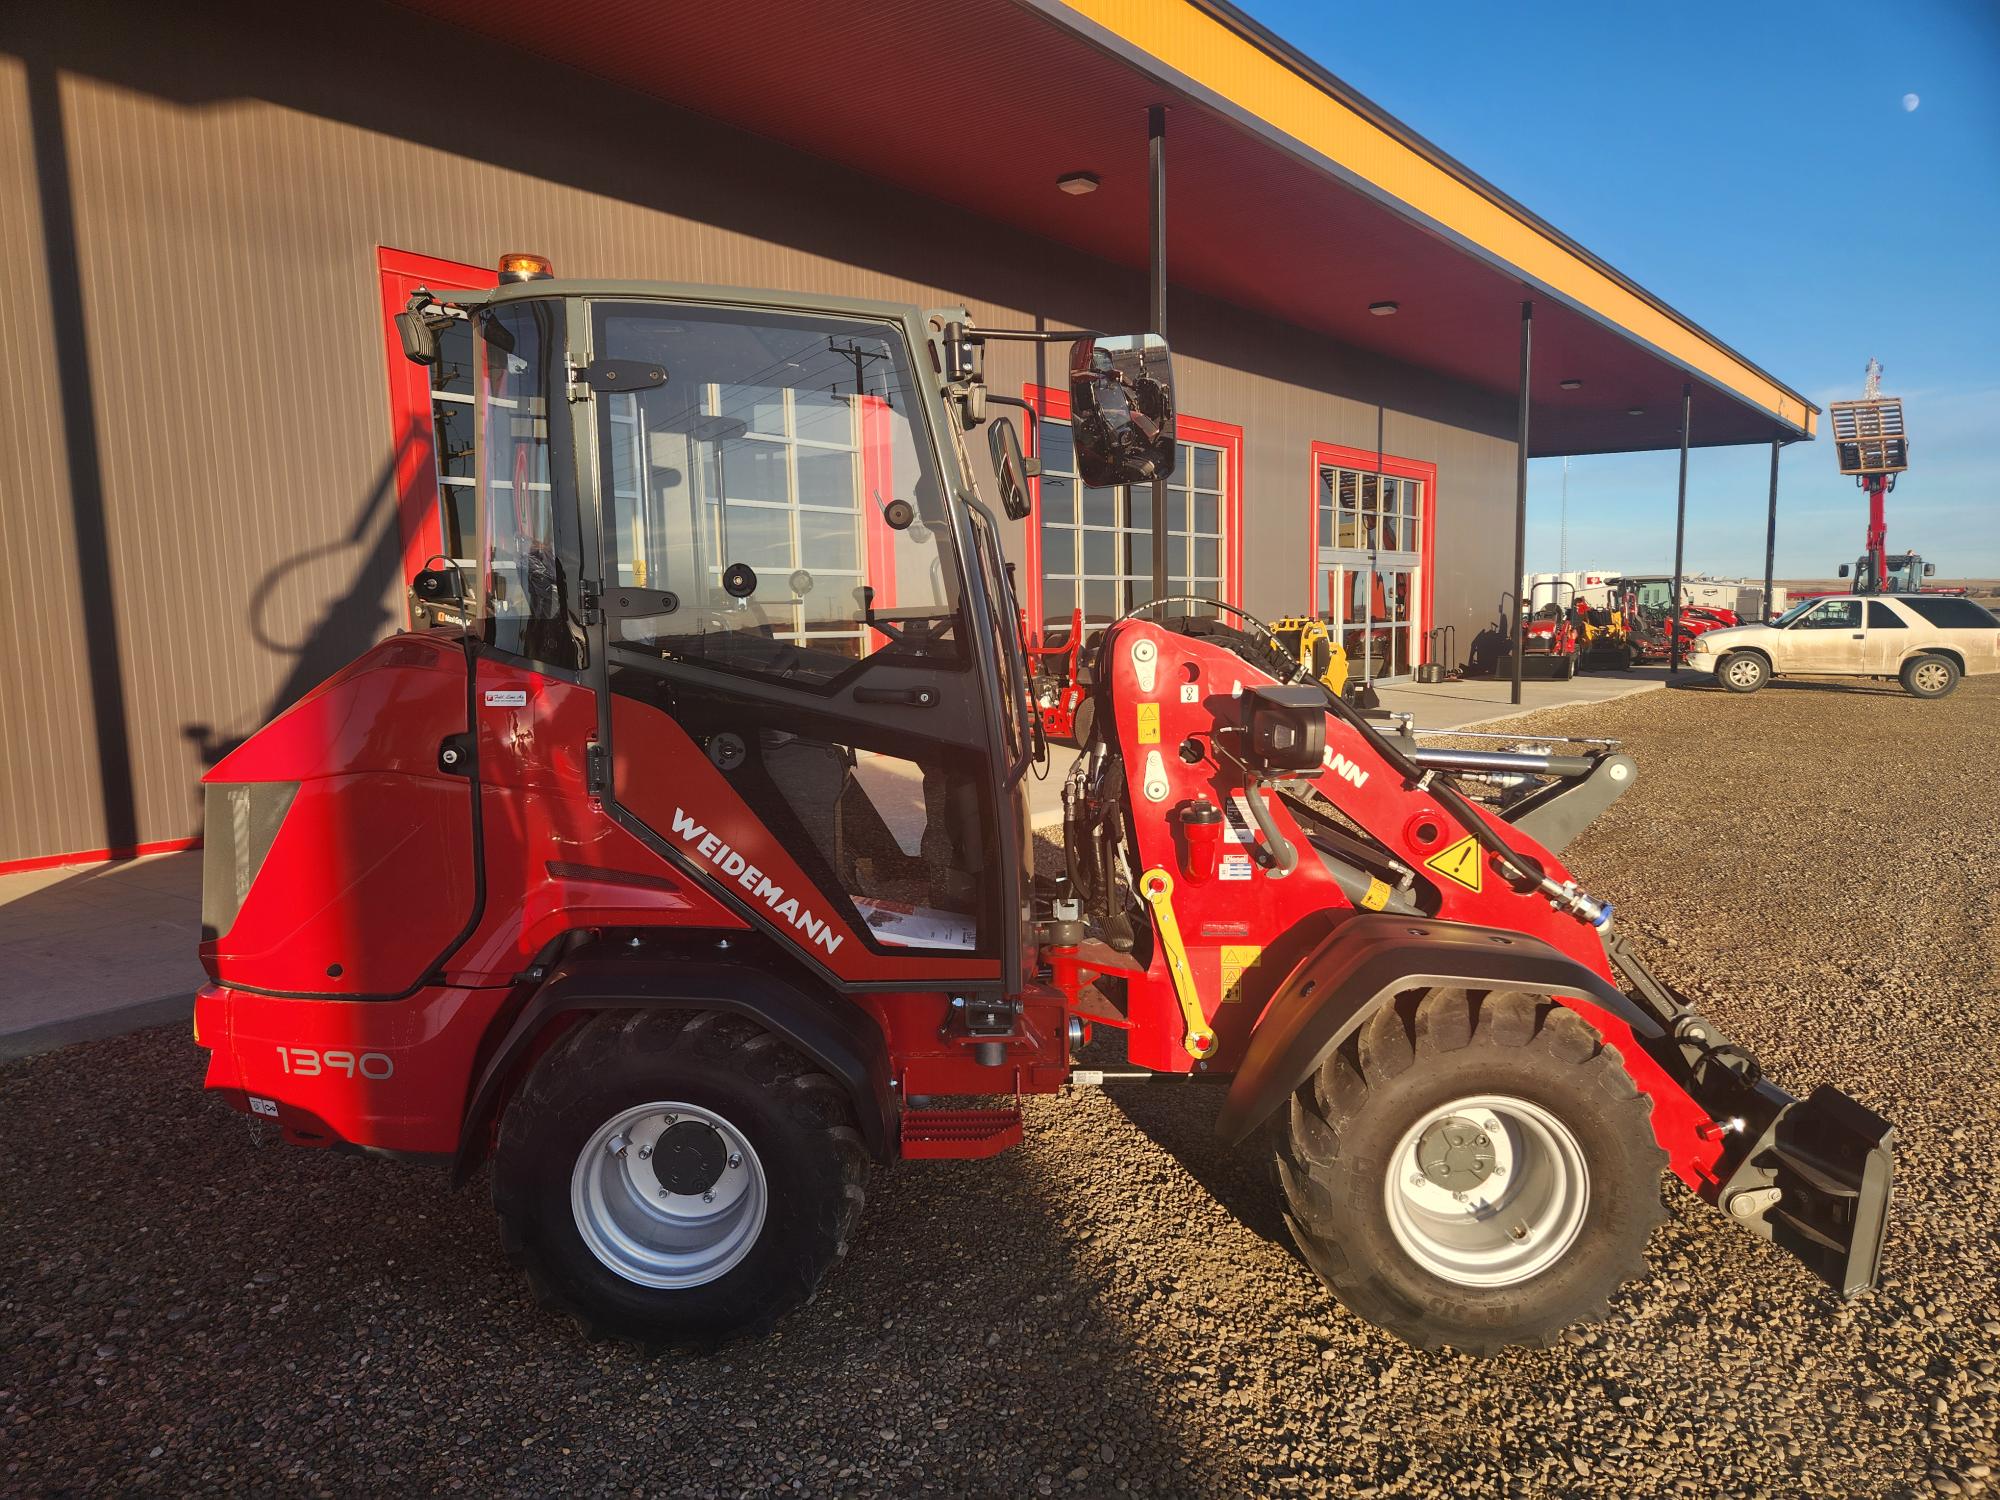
<point>1265,919</point>
<point>393,1073</point>
<point>371,875</point>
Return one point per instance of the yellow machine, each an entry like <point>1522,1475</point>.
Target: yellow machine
<point>1604,637</point>
<point>1312,644</point>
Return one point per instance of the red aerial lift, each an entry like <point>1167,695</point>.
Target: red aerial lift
<point>685,901</point>
<point>1869,443</point>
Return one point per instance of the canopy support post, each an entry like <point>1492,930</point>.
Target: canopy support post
<point>1680,536</point>
<point>1156,162</point>
<point>1771,533</point>
<point>1521,497</point>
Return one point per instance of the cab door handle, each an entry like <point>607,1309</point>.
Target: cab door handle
<point>914,697</point>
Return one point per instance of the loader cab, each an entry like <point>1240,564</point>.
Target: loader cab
<point>748,526</point>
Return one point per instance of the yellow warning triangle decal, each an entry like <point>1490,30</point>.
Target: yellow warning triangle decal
<point>1459,862</point>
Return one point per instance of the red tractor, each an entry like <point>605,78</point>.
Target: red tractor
<point>1055,681</point>
<point>1549,641</point>
<point>686,904</point>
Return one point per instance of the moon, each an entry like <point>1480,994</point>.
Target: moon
<point>1910,103</point>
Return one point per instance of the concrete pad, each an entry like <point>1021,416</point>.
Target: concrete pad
<point>1477,700</point>
<point>93,950</point>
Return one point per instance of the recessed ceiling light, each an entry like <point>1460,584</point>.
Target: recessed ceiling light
<point>1571,385</point>
<point>1635,411</point>
<point>1383,309</point>
<point>1076,184</point>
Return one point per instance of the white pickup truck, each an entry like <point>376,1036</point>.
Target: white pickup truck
<point>1925,641</point>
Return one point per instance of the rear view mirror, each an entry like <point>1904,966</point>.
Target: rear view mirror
<point>420,340</point>
<point>1930,570</point>
<point>1843,570</point>
<point>1011,468</point>
<point>1121,396</point>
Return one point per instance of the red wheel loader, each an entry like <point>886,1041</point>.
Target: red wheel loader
<point>687,879</point>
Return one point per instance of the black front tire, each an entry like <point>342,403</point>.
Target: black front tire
<point>1929,676</point>
<point>1338,1162</point>
<point>1742,672</point>
<point>797,1120</point>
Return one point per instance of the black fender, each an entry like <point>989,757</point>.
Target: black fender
<point>829,1028</point>
<point>1367,961</point>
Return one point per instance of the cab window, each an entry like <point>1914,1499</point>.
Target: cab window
<point>773,507</point>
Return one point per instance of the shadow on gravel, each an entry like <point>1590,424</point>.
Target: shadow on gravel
<point>189,1307</point>
<point>1854,687</point>
<point>1179,1118</point>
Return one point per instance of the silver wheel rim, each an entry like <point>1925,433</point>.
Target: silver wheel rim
<point>1929,676</point>
<point>645,1202</point>
<point>1487,1191</point>
<point>1744,672</point>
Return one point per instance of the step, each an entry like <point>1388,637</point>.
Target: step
<point>959,1134</point>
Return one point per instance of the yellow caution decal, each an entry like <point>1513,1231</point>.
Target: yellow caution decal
<point>1236,957</point>
<point>1149,723</point>
<point>1377,895</point>
<point>1458,863</point>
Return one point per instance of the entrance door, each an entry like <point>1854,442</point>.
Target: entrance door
<point>1369,569</point>
<point>796,702</point>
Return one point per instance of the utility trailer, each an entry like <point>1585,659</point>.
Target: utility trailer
<point>682,874</point>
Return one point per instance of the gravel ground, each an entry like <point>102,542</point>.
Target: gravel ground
<point>1112,1305</point>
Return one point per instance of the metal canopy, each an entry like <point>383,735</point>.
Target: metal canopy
<point>1291,195</point>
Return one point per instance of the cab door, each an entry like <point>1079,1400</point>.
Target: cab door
<point>797,711</point>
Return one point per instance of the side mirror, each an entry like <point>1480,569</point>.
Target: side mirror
<point>1011,467</point>
<point>1930,570</point>
<point>420,340</point>
<point>1121,398</point>
<point>1843,570</point>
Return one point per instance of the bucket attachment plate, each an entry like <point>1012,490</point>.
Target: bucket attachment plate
<point>1817,1183</point>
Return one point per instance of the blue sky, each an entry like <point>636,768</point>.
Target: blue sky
<point>1720,156</point>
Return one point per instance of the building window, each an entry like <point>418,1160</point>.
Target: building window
<point>1367,510</point>
<point>452,447</point>
<point>430,415</point>
<point>1096,545</point>
<point>1371,556</point>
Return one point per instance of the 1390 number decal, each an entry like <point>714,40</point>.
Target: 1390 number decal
<point>308,1062</point>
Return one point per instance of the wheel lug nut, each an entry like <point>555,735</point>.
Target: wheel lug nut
<point>736,1159</point>
<point>645,1152</point>
<point>708,1197</point>
<point>1417,1179</point>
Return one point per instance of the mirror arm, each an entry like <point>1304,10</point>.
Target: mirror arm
<point>1031,335</point>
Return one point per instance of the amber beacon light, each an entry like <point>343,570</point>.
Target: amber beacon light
<point>515,267</point>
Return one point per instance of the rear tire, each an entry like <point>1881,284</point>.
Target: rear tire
<point>1929,676</point>
<point>1742,672</point>
<point>604,1211</point>
<point>1557,1223</point>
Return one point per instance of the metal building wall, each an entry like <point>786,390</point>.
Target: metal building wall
<point>195,455</point>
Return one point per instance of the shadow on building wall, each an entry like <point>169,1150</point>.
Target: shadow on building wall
<point>348,622</point>
<point>97,598</point>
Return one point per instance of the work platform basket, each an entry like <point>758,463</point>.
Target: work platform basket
<point>1868,436</point>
